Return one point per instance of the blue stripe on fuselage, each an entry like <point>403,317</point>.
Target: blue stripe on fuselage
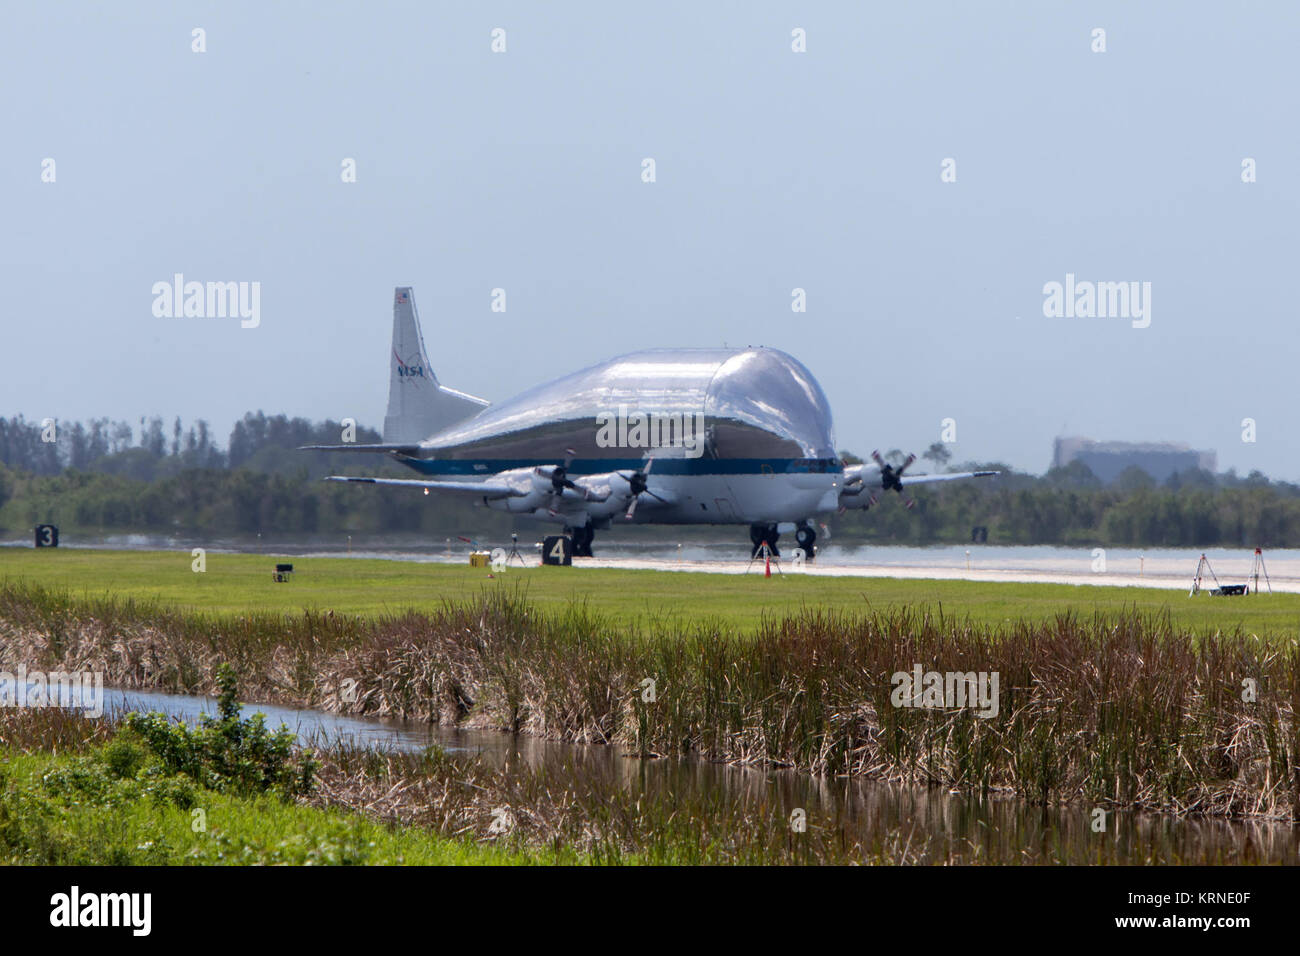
<point>662,466</point>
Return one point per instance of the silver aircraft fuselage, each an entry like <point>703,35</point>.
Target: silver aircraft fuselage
<point>666,436</point>
<point>767,452</point>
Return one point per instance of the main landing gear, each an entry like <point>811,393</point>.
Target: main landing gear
<point>582,538</point>
<point>760,533</point>
<point>806,535</point>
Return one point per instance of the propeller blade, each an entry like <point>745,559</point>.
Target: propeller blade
<point>637,486</point>
<point>875,456</point>
<point>560,473</point>
<point>903,467</point>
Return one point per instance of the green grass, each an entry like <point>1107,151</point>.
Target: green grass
<point>239,583</point>
<point>38,827</point>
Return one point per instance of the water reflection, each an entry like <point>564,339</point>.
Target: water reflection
<point>919,824</point>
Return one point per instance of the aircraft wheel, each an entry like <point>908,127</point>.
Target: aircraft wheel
<point>807,538</point>
<point>582,539</point>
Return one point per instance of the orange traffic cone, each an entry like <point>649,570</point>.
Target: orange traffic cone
<point>767,564</point>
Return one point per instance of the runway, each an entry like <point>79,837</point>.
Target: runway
<point>1161,569</point>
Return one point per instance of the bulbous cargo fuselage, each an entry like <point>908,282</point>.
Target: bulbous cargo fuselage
<point>737,436</point>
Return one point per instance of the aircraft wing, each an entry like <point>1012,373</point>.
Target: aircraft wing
<point>411,449</point>
<point>871,473</point>
<point>950,476</point>
<point>863,484</point>
<point>480,489</point>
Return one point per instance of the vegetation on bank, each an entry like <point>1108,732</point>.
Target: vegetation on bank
<point>37,827</point>
<point>223,753</point>
<point>151,791</point>
<point>1122,710</point>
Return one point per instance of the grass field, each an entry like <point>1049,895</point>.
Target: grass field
<point>79,792</point>
<point>242,830</point>
<point>238,583</point>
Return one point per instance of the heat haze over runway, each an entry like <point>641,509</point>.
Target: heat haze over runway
<point>1170,570</point>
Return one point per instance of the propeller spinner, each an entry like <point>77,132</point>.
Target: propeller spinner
<point>560,480</point>
<point>891,478</point>
<point>560,473</point>
<point>637,487</point>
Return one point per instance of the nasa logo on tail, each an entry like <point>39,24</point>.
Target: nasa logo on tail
<point>410,369</point>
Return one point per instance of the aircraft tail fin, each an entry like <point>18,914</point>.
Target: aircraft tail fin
<point>418,406</point>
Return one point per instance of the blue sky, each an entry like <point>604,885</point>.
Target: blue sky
<point>774,170</point>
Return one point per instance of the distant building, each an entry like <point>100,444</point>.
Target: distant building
<point>1107,459</point>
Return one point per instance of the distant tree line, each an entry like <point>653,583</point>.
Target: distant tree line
<point>1071,506</point>
<point>48,448</point>
<point>106,476</point>
<point>111,476</point>
<point>257,441</point>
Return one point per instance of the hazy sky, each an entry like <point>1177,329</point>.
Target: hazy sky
<point>775,170</point>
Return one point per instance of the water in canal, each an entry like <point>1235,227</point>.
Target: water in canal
<point>945,826</point>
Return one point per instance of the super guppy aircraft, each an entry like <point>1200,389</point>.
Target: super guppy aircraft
<point>665,436</point>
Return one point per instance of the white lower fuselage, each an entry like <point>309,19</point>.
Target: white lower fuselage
<point>715,493</point>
